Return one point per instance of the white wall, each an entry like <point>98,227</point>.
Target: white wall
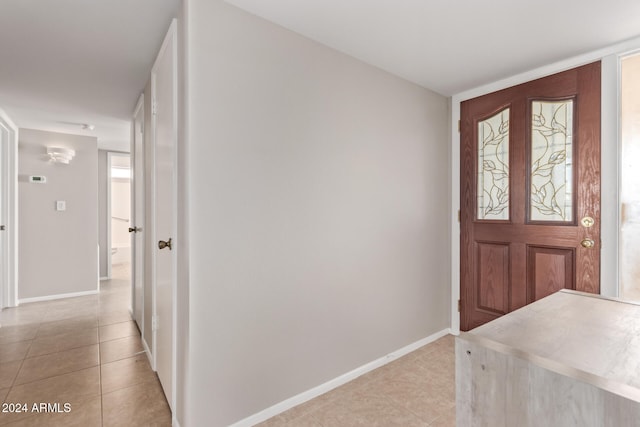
<point>318,213</point>
<point>103,215</point>
<point>58,251</point>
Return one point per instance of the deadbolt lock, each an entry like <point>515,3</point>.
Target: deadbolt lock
<point>587,221</point>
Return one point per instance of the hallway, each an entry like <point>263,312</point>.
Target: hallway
<point>85,352</point>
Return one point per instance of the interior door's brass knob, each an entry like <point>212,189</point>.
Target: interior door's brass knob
<point>134,229</point>
<point>162,244</point>
<point>588,243</point>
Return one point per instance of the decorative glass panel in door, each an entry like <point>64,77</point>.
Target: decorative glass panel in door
<point>493,167</point>
<point>551,177</point>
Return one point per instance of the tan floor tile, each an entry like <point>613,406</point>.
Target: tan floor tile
<point>50,365</point>
<point>448,419</point>
<point>14,351</point>
<point>68,325</point>
<point>342,393</point>
<point>17,414</point>
<point>17,333</point>
<point>426,402</point>
<point>367,411</point>
<point>71,387</point>
<point>8,372</point>
<point>303,421</point>
<point>420,391</point>
<point>67,313</point>
<point>110,317</point>
<point>135,406</point>
<point>67,341</point>
<point>3,393</point>
<point>21,318</point>
<point>122,348</point>
<point>118,330</point>
<point>126,373</point>
<point>113,302</point>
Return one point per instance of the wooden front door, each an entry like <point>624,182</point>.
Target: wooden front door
<point>530,193</point>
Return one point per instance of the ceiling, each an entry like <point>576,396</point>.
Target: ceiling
<point>450,46</point>
<point>68,62</point>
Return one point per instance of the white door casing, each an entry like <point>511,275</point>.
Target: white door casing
<point>111,163</point>
<point>137,215</point>
<point>164,217</point>
<point>8,212</point>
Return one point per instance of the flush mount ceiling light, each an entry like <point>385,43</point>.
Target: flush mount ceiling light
<point>60,154</point>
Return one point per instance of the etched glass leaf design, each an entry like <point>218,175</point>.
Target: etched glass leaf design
<point>551,175</point>
<point>493,167</point>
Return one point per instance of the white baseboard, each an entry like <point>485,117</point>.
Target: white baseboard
<point>174,421</point>
<point>336,382</point>
<point>104,278</point>
<point>58,296</point>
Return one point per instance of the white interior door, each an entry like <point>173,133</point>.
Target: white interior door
<point>164,113</point>
<point>137,227</point>
<point>4,259</point>
<point>8,211</point>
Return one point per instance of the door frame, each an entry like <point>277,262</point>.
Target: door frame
<point>135,197</point>
<point>610,58</point>
<point>9,192</point>
<point>111,154</point>
<point>170,42</point>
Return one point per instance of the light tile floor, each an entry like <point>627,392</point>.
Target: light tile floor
<point>83,351</point>
<point>87,352</point>
<point>415,390</point>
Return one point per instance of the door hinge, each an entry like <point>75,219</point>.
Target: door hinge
<point>459,306</point>
<point>459,126</point>
<point>458,215</point>
<point>2,228</point>
<point>154,107</point>
<point>154,323</point>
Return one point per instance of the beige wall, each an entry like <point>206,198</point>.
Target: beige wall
<point>58,251</point>
<point>318,214</point>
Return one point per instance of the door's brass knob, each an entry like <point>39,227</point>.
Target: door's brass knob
<point>588,243</point>
<point>162,244</point>
<point>134,229</point>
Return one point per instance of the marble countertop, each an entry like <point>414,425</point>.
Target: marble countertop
<point>576,333</point>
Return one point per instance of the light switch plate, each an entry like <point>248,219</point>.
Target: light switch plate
<point>61,205</point>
